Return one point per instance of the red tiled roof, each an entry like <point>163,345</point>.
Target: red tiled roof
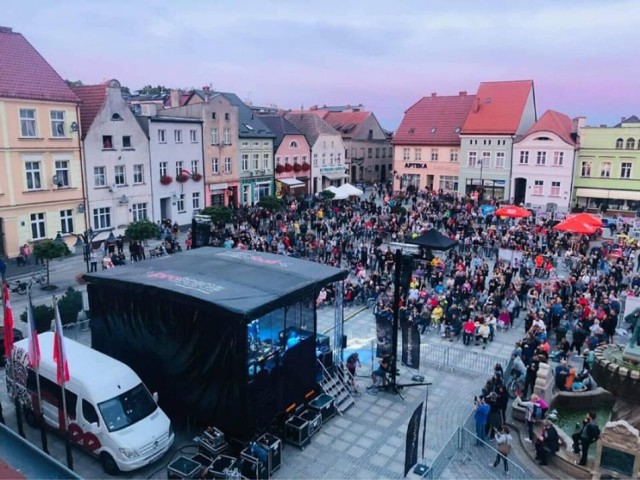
<point>24,73</point>
<point>554,122</point>
<point>345,122</point>
<point>498,107</point>
<point>433,120</point>
<point>93,97</point>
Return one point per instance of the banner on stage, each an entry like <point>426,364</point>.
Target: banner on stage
<point>410,345</point>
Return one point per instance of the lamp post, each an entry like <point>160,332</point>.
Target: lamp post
<point>481,182</point>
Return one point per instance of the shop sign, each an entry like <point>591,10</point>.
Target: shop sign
<point>415,165</point>
<point>332,169</point>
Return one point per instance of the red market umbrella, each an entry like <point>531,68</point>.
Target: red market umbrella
<point>586,218</point>
<point>512,211</point>
<point>576,225</point>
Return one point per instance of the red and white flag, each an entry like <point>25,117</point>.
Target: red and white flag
<point>8,323</point>
<point>59,354</point>
<point>34,343</point>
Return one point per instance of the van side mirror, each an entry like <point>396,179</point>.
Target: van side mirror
<point>156,397</point>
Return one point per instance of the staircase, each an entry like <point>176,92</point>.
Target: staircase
<point>338,385</point>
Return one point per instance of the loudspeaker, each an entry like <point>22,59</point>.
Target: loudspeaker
<point>344,341</point>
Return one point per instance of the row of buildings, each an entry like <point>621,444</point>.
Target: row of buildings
<point>492,145</point>
<point>79,159</point>
<point>90,160</point>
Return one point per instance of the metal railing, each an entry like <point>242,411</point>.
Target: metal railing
<point>444,457</point>
<point>79,331</point>
<point>478,451</point>
<point>460,359</point>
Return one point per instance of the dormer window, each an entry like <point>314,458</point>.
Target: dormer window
<point>457,130</point>
<point>116,117</point>
<point>293,144</point>
<point>433,130</point>
<point>412,131</point>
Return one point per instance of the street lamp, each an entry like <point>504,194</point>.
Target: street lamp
<point>481,182</point>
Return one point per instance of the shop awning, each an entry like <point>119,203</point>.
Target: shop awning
<point>218,186</point>
<point>334,176</point>
<point>291,182</point>
<point>610,194</point>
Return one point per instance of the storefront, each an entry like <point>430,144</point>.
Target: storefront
<point>252,190</point>
<point>332,176</point>
<point>290,186</point>
<point>486,188</point>
<point>606,200</point>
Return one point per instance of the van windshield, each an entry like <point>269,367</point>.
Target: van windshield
<point>128,408</point>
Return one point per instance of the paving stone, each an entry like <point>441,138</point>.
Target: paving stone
<point>340,445</point>
<point>379,461</point>
<point>395,441</point>
<point>372,434</point>
<point>356,451</point>
<point>384,422</point>
<point>387,450</point>
<point>350,437</point>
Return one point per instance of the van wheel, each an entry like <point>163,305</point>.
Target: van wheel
<point>109,465</point>
<point>30,417</point>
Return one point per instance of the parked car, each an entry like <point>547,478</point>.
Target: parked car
<point>17,335</point>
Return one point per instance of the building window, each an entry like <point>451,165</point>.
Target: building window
<point>227,136</point>
<point>631,144</point>
<point>331,159</point>
<point>453,155</point>
<point>179,167</point>
<point>619,143</point>
<point>293,144</point>
<point>585,171</point>
<point>120,175</point>
<point>99,176</point>
<point>57,124</point>
<point>214,136</point>
<point>139,211</point>
<point>32,170</point>
<point>180,203</point>
<point>227,117</point>
<point>193,136</point>
<point>244,165</point>
<point>161,136</point>
<point>486,160</point>
<point>449,183</point>
<point>195,167</point>
<point>324,159</point>
<point>406,154</point>
<point>605,169</point>
<point>102,218</point>
<point>369,152</point>
<point>244,144</point>
<point>256,161</point>
<point>558,159</point>
<point>246,194</point>
<point>377,152</point>
<point>195,200</point>
<point>215,165</point>
<point>417,154</point>
<point>625,170</point>
<point>541,158</point>
<point>472,159</point>
<point>177,136</point>
<point>213,115</point>
<point>227,165</point>
<point>107,142</point>
<point>524,157</point>
<point>163,169</point>
<point>499,159</point>
<point>538,187</point>
<point>66,221</point>
<point>434,154</point>
<point>266,161</point>
<point>62,173</point>
<point>38,229</point>
<point>555,189</point>
<point>138,174</point>
<point>28,122</point>
<point>126,141</point>
<point>315,159</point>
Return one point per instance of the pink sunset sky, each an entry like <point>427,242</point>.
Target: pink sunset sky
<point>582,56</point>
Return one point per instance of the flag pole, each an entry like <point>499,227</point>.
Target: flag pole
<point>60,367</point>
<point>36,364</point>
<point>12,366</point>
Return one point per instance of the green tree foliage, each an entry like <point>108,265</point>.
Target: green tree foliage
<point>141,230</point>
<point>42,314</point>
<point>49,250</point>
<point>218,214</point>
<point>74,83</point>
<point>69,305</point>
<point>271,203</point>
<point>151,90</point>
<point>328,194</point>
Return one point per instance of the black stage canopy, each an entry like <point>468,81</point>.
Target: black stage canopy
<point>244,283</point>
<point>434,240</point>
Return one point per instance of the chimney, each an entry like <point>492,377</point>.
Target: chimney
<point>462,93</point>
<point>174,98</point>
<point>6,29</point>
<point>313,107</point>
<point>622,119</point>
<point>205,88</point>
<point>149,109</point>
<point>579,123</point>
<point>434,94</point>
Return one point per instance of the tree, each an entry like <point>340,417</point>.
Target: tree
<point>141,230</point>
<point>151,90</point>
<point>125,90</point>
<point>218,214</point>
<point>42,316</point>
<point>69,305</point>
<point>74,83</point>
<point>271,203</point>
<point>49,250</point>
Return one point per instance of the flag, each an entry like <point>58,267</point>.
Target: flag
<point>34,344</point>
<point>59,355</point>
<point>186,172</point>
<point>8,323</point>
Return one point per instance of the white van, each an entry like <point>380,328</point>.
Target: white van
<point>110,412</point>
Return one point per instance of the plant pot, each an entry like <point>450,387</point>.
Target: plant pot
<point>306,167</point>
<point>279,168</point>
<point>196,177</point>
<point>288,168</point>
<point>297,167</point>
<point>182,178</point>
<point>166,180</point>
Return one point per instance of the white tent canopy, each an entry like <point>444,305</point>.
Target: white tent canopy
<point>349,190</point>
<point>338,195</point>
